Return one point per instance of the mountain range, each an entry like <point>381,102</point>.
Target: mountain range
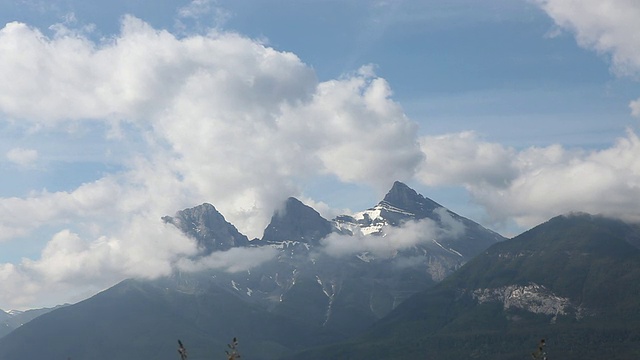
<point>322,285</point>
<point>405,279</point>
<point>573,281</point>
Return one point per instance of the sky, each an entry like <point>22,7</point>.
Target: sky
<point>112,115</point>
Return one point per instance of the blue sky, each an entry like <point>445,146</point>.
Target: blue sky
<point>507,112</point>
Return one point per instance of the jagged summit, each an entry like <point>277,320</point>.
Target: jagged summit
<point>403,204</point>
<point>205,224</point>
<point>297,222</point>
<point>403,197</point>
<point>314,288</point>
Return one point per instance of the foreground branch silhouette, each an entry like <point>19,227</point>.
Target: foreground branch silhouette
<point>182,351</point>
<point>540,354</point>
<point>233,353</point>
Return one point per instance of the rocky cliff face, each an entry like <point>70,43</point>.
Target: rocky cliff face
<point>298,222</point>
<point>205,224</point>
<point>533,298</point>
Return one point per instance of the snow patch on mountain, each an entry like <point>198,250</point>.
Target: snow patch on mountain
<point>447,249</point>
<point>366,257</point>
<point>371,221</point>
<point>329,289</point>
<point>288,244</point>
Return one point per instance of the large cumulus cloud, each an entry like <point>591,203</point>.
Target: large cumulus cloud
<point>223,118</point>
<point>533,184</point>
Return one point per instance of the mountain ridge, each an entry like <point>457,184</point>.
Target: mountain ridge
<point>318,298</point>
<point>296,221</point>
<point>573,280</point>
<point>209,227</point>
<point>13,319</point>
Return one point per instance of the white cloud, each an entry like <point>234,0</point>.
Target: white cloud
<point>202,11</point>
<point>147,250</point>
<point>358,133</point>
<point>226,120</point>
<point>232,260</point>
<point>70,265</point>
<point>461,158</point>
<point>451,227</point>
<point>394,239</point>
<point>22,157</point>
<point>196,8</point>
<point>635,107</point>
<point>541,182</point>
<point>549,181</point>
<point>606,26</point>
<point>91,201</point>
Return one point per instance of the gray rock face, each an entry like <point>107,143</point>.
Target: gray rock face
<point>205,224</point>
<point>297,221</point>
<point>403,197</point>
<point>532,298</point>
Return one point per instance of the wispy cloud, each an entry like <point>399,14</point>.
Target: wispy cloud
<point>232,260</point>
<point>22,157</point>
<point>202,11</point>
<point>196,8</point>
<point>385,245</point>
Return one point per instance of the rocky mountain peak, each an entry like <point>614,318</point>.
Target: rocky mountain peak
<point>211,230</point>
<point>297,222</point>
<point>403,197</point>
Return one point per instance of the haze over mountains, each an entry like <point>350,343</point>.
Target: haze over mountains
<point>406,279</point>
